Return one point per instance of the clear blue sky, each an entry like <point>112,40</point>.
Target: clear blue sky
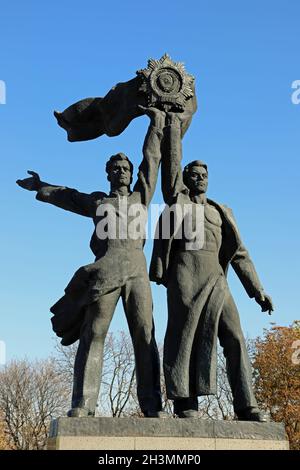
<point>244,55</point>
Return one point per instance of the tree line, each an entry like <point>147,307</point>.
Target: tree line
<point>32,393</point>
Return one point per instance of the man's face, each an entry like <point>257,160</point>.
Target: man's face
<point>120,174</point>
<point>197,179</point>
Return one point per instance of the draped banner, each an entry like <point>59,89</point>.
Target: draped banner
<point>92,117</point>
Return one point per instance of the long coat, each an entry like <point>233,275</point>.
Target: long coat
<point>231,252</point>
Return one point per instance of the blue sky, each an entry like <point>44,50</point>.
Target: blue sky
<point>244,55</point>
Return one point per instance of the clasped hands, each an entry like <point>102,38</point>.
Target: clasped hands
<point>161,119</point>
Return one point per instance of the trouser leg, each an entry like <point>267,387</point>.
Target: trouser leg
<point>89,357</point>
<point>137,301</point>
<point>178,381</point>
<point>237,361</point>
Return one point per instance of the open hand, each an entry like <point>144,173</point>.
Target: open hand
<point>265,302</point>
<point>31,184</point>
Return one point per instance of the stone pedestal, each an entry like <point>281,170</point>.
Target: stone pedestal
<point>164,434</point>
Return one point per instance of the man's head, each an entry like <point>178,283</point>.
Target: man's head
<point>119,171</point>
<point>195,177</point>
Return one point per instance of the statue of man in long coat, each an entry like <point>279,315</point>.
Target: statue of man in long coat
<point>200,306</point>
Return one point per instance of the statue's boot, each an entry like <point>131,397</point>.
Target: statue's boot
<point>155,414</point>
<point>252,414</point>
<point>186,407</point>
<point>79,413</point>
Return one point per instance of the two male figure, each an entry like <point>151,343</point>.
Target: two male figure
<point>200,306</point>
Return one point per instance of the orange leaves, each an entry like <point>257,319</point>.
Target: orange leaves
<point>277,377</point>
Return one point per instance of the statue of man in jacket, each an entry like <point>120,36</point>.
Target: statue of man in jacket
<point>200,306</point>
<point>119,271</point>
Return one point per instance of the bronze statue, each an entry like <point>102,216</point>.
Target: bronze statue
<point>200,306</point>
<point>119,270</point>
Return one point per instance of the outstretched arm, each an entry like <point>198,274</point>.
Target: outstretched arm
<point>148,169</point>
<point>61,196</point>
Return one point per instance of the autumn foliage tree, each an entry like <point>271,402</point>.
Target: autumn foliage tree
<point>276,363</point>
<point>31,394</point>
<point>4,439</point>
